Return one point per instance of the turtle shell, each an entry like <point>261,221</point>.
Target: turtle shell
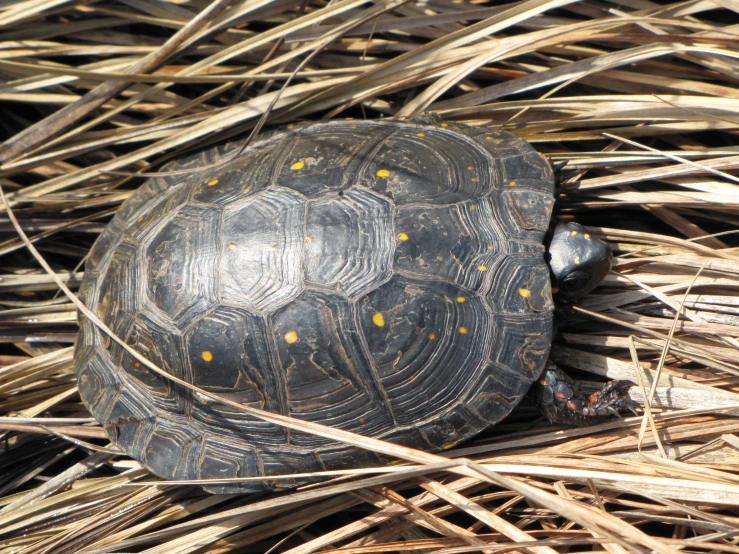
<point>382,277</point>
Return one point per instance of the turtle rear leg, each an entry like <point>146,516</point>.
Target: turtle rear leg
<point>562,401</point>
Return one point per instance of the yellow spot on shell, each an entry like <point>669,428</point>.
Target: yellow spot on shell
<point>378,320</point>
<point>577,259</point>
<point>448,446</point>
<point>212,182</point>
<point>136,364</point>
<point>362,420</point>
<point>524,292</point>
<point>512,184</point>
<point>232,246</point>
<point>461,299</point>
<point>474,179</point>
<point>382,173</point>
<point>573,233</point>
<point>587,235</point>
<point>290,126</point>
<point>445,124</point>
<point>432,336</point>
<point>490,247</point>
<point>473,206</point>
<point>488,137</point>
<point>482,268</point>
<point>470,167</point>
<point>207,355</point>
<point>291,337</point>
<point>402,236</point>
<point>349,118</point>
<point>297,165</point>
<point>421,134</point>
<point>463,330</point>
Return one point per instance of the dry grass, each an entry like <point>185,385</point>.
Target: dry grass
<point>641,100</point>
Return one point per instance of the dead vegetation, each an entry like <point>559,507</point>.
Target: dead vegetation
<point>639,99</point>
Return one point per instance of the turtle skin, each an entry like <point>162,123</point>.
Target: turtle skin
<point>382,277</point>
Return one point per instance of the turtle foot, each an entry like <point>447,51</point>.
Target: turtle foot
<point>561,400</point>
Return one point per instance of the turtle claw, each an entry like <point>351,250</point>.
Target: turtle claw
<point>561,401</point>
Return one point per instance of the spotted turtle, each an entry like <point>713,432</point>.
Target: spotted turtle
<point>384,277</point>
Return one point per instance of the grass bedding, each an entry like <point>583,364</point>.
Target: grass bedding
<point>636,102</point>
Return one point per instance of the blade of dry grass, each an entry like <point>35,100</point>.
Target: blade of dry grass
<point>67,116</point>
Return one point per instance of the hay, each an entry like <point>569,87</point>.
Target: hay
<point>639,99</point>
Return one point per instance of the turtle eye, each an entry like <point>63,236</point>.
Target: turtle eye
<point>574,281</point>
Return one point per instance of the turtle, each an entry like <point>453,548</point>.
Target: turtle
<point>392,278</point>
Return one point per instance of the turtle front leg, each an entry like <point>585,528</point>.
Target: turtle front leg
<point>561,400</point>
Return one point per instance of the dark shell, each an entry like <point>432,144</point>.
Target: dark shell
<point>379,276</point>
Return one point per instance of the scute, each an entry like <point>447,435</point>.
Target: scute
<point>427,329</point>
<point>285,462</point>
<point>329,376</point>
<point>337,457</point>
<point>240,178</point>
<point>383,277</point>
<point>436,167</point>
<point>452,427</point>
<point>149,217</point>
<point>319,161</point>
<point>104,244</point>
<point>162,345</point>
<point>129,422</point>
<point>495,394</point>
<point>524,214</point>
<point>262,248</point>
<point>457,243</point>
<point>226,460</point>
<point>181,262</point>
<point>234,426</point>
<point>97,378</point>
<point>173,447</point>
<point>117,301</point>
<point>349,241</point>
<point>228,353</point>
<point>522,286</point>
<point>522,346</point>
<point>525,169</point>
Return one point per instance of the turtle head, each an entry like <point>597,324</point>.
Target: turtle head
<point>578,262</point>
